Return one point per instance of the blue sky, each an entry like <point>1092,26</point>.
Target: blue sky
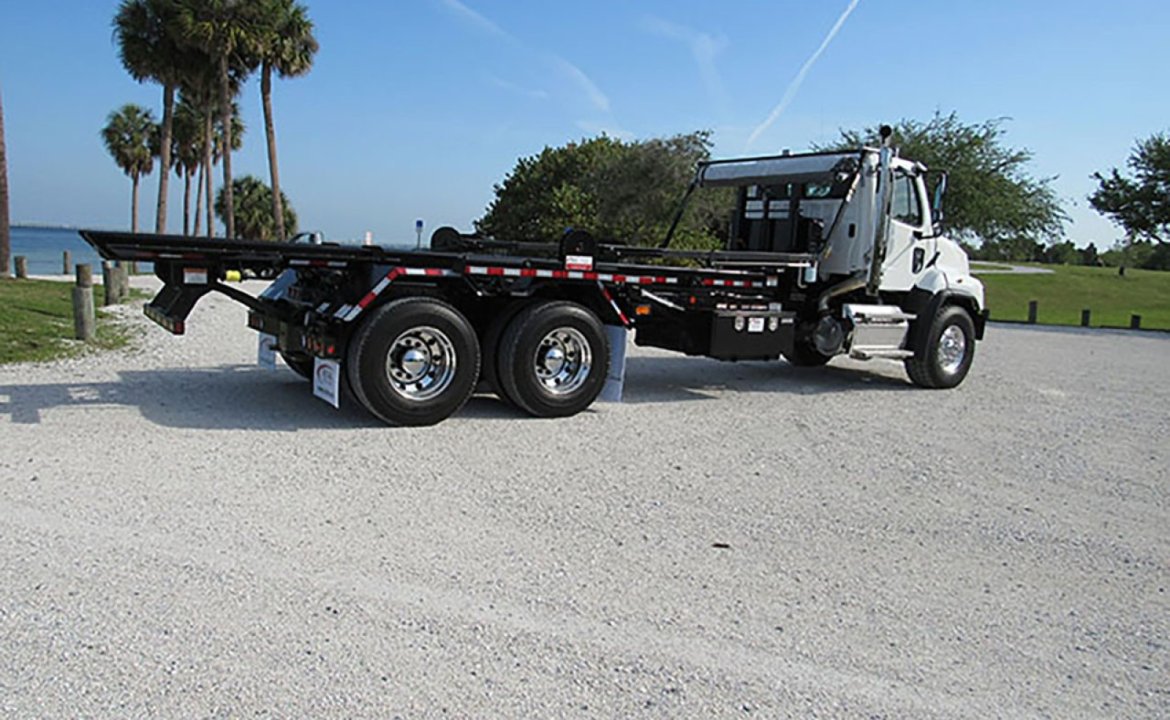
<point>415,108</point>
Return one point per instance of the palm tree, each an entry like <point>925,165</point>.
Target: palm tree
<point>254,216</point>
<point>150,50</point>
<point>5,239</point>
<point>287,46</point>
<point>227,30</point>
<point>127,136</point>
<point>187,152</point>
<point>199,91</point>
<point>219,140</point>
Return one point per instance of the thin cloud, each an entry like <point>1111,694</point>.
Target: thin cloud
<point>576,75</point>
<point>704,49</point>
<point>517,89</point>
<point>794,86</point>
<point>587,86</point>
<point>472,17</point>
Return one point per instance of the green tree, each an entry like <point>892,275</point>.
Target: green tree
<point>1062,253</point>
<point>1140,202</point>
<point>227,31</point>
<point>1129,253</point>
<point>624,191</point>
<point>1089,255</point>
<point>286,46</point>
<point>991,196</point>
<point>543,194</point>
<point>200,90</point>
<point>128,138</point>
<point>1159,258</point>
<point>150,50</point>
<point>1016,248</point>
<point>5,238</point>
<point>254,218</point>
<point>187,152</point>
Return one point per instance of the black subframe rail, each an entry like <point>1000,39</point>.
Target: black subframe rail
<point>260,255</point>
<point>192,267</point>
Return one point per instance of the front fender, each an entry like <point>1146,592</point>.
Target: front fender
<point>926,305</point>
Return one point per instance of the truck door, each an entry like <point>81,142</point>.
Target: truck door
<point>910,245</point>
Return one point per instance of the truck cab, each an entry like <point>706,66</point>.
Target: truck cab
<point>885,281</point>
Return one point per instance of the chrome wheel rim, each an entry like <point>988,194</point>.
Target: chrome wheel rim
<point>952,349</point>
<point>562,361</point>
<point>421,363</point>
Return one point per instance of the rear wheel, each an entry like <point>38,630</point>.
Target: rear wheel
<point>553,359</point>
<point>945,356</point>
<point>490,349</point>
<point>415,361</point>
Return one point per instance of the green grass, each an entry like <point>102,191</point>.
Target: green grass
<point>36,322</point>
<point>1069,289</point>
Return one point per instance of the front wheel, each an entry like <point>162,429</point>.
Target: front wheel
<point>415,361</point>
<point>553,359</point>
<point>944,358</point>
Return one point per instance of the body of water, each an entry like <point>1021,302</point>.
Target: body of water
<point>44,248</point>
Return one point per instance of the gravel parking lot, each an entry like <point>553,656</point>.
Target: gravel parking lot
<point>183,534</point>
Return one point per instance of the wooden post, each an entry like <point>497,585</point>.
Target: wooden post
<point>121,281</point>
<point>1085,317</point>
<point>1032,308</point>
<point>84,320</point>
<point>21,267</point>
<point>124,291</point>
<point>66,262</point>
<point>1135,322</point>
<point>110,291</point>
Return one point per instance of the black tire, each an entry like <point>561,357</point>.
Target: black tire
<point>945,356</point>
<point>803,353</point>
<point>419,390</point>
<point>490,349</point>
<point>300,364</point>
<point>553,359</point>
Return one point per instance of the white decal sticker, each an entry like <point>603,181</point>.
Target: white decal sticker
<point>756,325</point>
<point>327,380</point>
<point>194,276</point>
<point>266,352</point>
<point>578,262</point>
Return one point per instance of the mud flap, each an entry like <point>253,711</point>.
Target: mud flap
<point>615,380</point>
<point>266,351</point>
<point>327,381</point>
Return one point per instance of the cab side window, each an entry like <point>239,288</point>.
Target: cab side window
<point>906,207</point>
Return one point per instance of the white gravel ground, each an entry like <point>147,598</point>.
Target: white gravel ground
<point>183,534</point>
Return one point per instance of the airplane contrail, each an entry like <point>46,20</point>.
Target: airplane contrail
<point>793,86</point>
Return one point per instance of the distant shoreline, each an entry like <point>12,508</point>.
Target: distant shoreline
<point>47,226</point>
